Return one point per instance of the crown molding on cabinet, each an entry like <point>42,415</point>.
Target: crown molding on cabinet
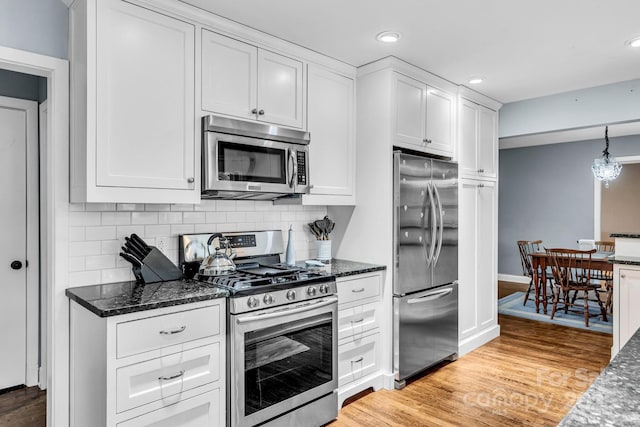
<point>479,98</point>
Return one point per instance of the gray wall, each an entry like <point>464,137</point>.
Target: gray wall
<point>546,192</point>
<point>23,86</point>
<point>39,26</point>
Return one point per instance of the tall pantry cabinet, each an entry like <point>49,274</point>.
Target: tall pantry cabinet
<point>478,219</point>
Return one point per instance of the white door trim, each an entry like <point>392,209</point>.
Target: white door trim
<point>30,109</point>
<point>55,166</point>
<point>43,119</point>
<point>597,197</point>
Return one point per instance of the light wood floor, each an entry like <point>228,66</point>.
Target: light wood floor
<point>531,375</point>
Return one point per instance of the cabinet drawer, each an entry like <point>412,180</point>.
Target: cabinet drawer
<point>201,410</point>
<point>358,288</point>
<point>357,359</point>
<point>166,377</point>
<point>138,336</point>
<point>354,322</point>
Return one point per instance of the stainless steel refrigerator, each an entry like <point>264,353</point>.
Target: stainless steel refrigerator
<point>425,288</point>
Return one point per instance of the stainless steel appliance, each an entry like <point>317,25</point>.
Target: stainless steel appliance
<point>425,291</point>
<point>244,160</point>
<point>282,361</point>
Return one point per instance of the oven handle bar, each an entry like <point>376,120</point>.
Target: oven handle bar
<point>286,312</point>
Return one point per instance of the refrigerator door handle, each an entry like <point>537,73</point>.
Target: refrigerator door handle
<point>431,296</point>
<point>441,225</point>
<point>432,214</point>
<point>427,214</point>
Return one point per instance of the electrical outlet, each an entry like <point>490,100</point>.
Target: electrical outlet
<point>161,243</point>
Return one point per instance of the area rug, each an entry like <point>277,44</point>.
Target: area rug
<point>512,305</point>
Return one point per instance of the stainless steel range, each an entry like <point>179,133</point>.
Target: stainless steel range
<point>282,332</point>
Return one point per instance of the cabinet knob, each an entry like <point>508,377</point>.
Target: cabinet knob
<point>261,113</point>
<point>480,170</point>
<point>426,141</point>
<point>16,265</point>
<point>480,185</point>
<point>623,276</point>
<point>191,180</point>
<point>254,111</point>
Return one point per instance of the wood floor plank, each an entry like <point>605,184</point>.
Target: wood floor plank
<point>531,375</point>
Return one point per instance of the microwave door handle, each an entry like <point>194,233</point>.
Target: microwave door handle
<point>291,166</point>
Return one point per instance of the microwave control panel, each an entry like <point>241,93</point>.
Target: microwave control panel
<point>302,167</point>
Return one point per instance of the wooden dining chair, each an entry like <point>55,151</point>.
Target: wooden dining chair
<point>526,247</point>
<point>605,278</point>
<point>572,281</point>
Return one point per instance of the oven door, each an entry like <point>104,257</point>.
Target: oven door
<point>282,358</point>
<point>239,163</point>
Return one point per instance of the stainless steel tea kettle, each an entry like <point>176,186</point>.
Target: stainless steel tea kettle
<point>219,262</point>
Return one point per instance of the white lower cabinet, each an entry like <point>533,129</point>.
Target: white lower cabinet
<point>162,367</point>
<point>626,317</point>
<point>359,311</point>
<point>477,267</point>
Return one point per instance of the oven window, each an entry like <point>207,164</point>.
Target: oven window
<point>240,162</point>
<point>286,360</point>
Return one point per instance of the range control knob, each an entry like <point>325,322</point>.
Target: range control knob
<point>291,295</point>
<point>268,299</point>
<point>253,302</point>
<point>311,291</point>
<point>324,288</point>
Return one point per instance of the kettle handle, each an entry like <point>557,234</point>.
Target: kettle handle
<point>213,237</point>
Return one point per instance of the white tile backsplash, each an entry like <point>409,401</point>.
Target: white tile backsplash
<point>97,231</point>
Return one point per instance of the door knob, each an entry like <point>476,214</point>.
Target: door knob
<point>16,265</point>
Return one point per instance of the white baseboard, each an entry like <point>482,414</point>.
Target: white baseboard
<point>480,339</point>
<point>513,278</point>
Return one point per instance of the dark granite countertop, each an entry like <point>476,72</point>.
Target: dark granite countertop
<point>627,235</point>
<point>113,299</point>
<point>342,267</point>
<point>612,399</point>
<point>627,260</point>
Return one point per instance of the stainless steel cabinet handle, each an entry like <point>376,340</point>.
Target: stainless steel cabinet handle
<point>174,331</point>
<point>358,360</point>
<point>430,297</point>
<point>357,290</point>
<point>172,377</point>
<point>261,113</point>
<point>254,111</point>
<point>190,180</point>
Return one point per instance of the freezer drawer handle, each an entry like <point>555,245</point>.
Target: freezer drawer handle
<point>172,377</point>
<point>358,360</point>
<point>430,297</point>
<point>357,290</point>
<point>358,321</point>
<point>174,331</point>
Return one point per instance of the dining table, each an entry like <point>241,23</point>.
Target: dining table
<point>539,263</point>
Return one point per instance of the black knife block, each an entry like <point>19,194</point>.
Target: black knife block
<point>156,267</point>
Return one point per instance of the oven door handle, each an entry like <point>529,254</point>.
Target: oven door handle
<point>286,312</point>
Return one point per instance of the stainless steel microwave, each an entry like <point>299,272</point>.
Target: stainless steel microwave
<point>255,161</point>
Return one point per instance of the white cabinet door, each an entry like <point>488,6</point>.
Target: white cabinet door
<point>440,124</point>
<point>478,140</point>
<point>145,99</point>
<point>280,89</point>
<point>629,280</point>
<point>331,123</point>
<point>477,266</point>
<point>229,76</point>
<point>410,111</point>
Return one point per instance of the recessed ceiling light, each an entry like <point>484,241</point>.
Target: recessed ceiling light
<point>475,80</point>
<point>634,42</point>
<point>388,37</point>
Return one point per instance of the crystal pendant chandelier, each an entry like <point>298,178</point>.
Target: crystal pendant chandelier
<point>606,168</point>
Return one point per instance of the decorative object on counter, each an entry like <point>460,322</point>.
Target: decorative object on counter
<point>291,249</point>
<point>321,228</point>
<point>219,262</point>
<point>606,168</point>
<point>149,264</point>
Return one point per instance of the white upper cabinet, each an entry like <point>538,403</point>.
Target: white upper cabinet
<point>132,105</point>
<point>242,80</point>
<point>478,140</point>
<point>331,121</point>
<point>424,117</point>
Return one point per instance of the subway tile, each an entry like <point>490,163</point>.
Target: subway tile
<point>157,230</point>
<point>226,205</point>
<point>254,217</point>
<point>263,205</point>
<point>181,229</point>
<point>130,207</point>
<point>100,207</point>
<point>76,207</point>
<point>216,217</point>
<point>170,218</point>
<point>182,207</point>
<point>83,278</point>
<point>84,218</point>
<point>100,262</point>
<point>288,216</point>
<point>116,218</point>
<point>84,248</point>
<point>111,246</point>
<point>236,216</point>
<point>76,263</point>
<point>144,217</point>
<point>123,231</point>
<point>76,234</point>
<point>194,217</point>
<point>245,205</point>
<point>205,206</point>
<point>100,233</point>
<point>116,275</point>
<point>157,207</point>
<point>204,228</point>
<point>271,216</point>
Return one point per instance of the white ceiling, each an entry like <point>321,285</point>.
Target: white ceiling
<point>523,49</point>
